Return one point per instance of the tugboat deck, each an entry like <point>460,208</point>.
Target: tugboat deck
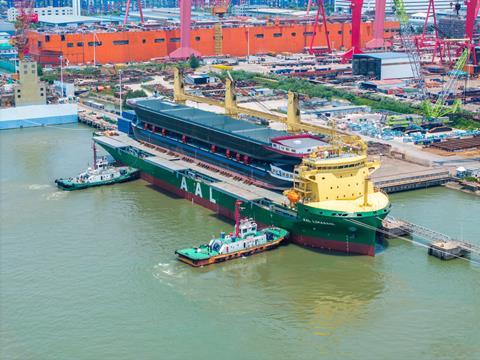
<point>221,182</point>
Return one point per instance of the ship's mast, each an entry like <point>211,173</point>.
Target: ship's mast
<point>94,156</point>
<point>237,217</point>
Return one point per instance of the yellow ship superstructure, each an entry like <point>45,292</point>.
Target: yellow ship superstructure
<point>332,192</point>
<point>337,181</point>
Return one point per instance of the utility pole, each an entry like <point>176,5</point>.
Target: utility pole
<point>121,102</point>
<point>61,74</point>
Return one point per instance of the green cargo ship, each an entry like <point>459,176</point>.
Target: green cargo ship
<point>332,205</point>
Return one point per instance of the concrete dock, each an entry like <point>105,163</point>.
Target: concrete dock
<point>397,175</point>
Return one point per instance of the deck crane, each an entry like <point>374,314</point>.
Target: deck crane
<point>292,120</point>
<point>439,109</point>
<point>25,18</point>
<point>407,38</point>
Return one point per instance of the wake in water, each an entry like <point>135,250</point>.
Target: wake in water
<point>57,195</point>
<point>39,186</point>
<point>166,272</point>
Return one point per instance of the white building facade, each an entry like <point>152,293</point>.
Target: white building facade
<point>12,13</point>
<point>411,6</point>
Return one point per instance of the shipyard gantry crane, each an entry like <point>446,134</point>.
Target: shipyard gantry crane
<point>292,120</point>
<point>127,9</point>
<point>356,46</point>
<point>320,12</point>
<point>473,6</point>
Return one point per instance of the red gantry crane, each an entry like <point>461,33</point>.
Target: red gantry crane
<point>185,51</point>
<point>320,12</point>
<point>378,40</point>
<point>127,9</point>
<point>356,9</point>
<point>472,12</point>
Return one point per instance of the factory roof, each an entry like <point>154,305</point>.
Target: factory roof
<point>67,19</point>
<point>240,128</point>
<point>384,55</point>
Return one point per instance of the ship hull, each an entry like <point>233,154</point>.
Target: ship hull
<point>313,230</point>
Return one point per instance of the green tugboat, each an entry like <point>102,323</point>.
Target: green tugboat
<point>246,240</point>
<point>102,173</point>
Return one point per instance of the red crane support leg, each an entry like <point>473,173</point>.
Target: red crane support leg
<point>472,13</point>
<point>140,10</point>
<point>127,10</point>
<point>356,6</point>
<point>320,11</point>
<point>309,5</point>
<point>378,40</point>
<point>184,51</point>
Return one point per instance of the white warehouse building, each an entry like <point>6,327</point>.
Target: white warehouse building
<point>411,6</point>
<point>12,12</point>
<point>383,65</point>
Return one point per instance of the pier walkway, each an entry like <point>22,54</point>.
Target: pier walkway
<point>440,245</point>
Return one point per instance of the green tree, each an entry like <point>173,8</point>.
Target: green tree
<point>132,95</point>
<point>193,62</point>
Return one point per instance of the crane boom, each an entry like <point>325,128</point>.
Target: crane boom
<point>440,109</point>
<point>292,120</point>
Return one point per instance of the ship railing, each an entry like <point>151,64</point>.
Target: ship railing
<point>266,203</point>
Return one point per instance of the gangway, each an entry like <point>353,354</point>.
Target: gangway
<point>440,245</point>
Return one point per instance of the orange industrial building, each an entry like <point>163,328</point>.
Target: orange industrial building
<point>104,47</point>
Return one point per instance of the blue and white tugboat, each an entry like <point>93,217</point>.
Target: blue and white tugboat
<point>102,173</point>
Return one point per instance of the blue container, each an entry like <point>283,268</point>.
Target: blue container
<point>129,115</point>
<point>125,126</point>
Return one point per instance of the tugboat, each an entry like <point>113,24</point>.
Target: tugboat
<point>246,240</point>
<point>102,173</point>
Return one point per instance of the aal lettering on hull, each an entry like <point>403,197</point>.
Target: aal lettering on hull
<point>197,189</point>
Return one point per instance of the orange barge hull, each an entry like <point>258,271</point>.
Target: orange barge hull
<point>135,46</point>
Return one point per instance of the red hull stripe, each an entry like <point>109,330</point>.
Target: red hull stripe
<point>319,243</point>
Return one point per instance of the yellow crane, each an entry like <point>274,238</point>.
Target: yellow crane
<point>292,120</point>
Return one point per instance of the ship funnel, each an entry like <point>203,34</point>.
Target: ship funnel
<point>293,111</point>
